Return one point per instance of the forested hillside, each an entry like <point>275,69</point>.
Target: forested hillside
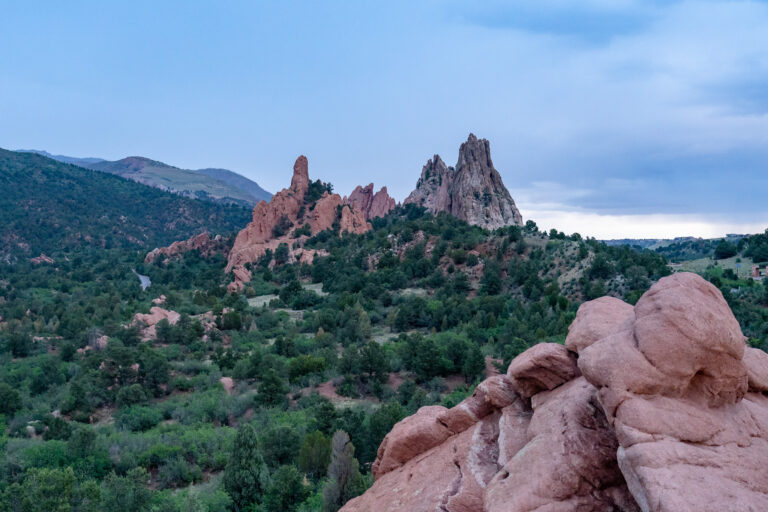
<point>48,206</point>
<point>412,313</point>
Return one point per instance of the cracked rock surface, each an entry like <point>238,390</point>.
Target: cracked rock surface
<point>658,407</point>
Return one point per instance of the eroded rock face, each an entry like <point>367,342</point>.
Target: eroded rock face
<point>663,409</point>
<point>473,192</point>
<point>289,210</point>
<point>372,205</point>
<point>202,242</point>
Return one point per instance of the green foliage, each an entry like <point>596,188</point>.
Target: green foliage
<point>314,455</point>
<point>246,477</point>
<point>286,490</point>
<point>10,400</point>
<point>51,206</point>
<point>126,493</point>
<point>344,478</point>
<point>725,249</point>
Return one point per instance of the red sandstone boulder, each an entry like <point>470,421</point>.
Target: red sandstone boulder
<point>671,414</point>
<point>542,367</point>
<point>597,319</point>
<point>674,387</point>
<point>410,437</point>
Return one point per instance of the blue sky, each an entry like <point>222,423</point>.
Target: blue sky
<point>611,118</point>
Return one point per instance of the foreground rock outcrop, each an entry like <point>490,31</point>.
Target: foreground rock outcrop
<point>372,205</point>
<point>291,217</point>
<point>473,192</point>
<point>659,407</point>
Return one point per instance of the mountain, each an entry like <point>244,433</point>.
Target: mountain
<point>47,206</point>
<point>190,183</point>
<point>82,162</point>
<point>220,185</point>
<point>238,181</point>
<point>473,191</point>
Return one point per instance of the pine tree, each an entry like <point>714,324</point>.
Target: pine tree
<point>246,475</point>
<point>344,478</point>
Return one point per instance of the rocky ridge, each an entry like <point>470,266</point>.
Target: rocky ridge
<point>202,242</point>
<point>659,407</point>
<point>372,205</point>
<point>276,222</point>
<point>473,191</point>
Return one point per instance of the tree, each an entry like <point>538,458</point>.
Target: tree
<point>474,363</point>
<point>286,490</point>
<point>49,490</point>
<point>10,400</point>
<point>344,478</point>
<point>725,250</point>
<point>279,445</point>
<point>315,454</point>
<point>272,390</point>
<point>246,474</point>
<point>127,493</point>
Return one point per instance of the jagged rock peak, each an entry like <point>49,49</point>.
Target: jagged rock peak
<point>300,179</point>
<point>370,204</point>
<point>276,222</point>
<point>473,191</point>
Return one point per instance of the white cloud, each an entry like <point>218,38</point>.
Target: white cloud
<point>605,227</point>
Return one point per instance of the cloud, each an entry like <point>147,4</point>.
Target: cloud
<point>606,227</point>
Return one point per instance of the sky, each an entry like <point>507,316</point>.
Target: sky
<point>611,118</point>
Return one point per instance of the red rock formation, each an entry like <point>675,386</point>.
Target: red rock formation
<point>202,242</point>
<point>41,259</point>
<point>275,222</point>
<point>149,320</point>
<point>663,410</point>
<point>372,205</point>
<point>473,192</point>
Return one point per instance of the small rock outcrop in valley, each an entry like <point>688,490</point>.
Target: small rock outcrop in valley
<point>202,242</point>
<point>473,191</point>
<point>304,206</point>
<point>659,407</point>
<point>372,205</point>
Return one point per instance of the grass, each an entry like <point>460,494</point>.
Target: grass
<point>700,265</point>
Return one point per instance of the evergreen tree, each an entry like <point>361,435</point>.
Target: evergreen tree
<point>314,454</point>
<point>246,476</point>
<point>474,364</point>
<point>344,478</point>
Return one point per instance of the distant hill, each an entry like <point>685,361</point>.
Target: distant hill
<point>220,185</point>
<point>238,181</point>
<point>82,162</point>
<point>48,206</point>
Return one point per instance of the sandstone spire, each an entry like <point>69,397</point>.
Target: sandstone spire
<point>473,191</point>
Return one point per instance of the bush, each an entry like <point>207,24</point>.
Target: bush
<point>137,418</point>
<point>10,400</point>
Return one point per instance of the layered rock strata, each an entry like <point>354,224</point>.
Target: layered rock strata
<point>658,407</point>
<point>473,191</point>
